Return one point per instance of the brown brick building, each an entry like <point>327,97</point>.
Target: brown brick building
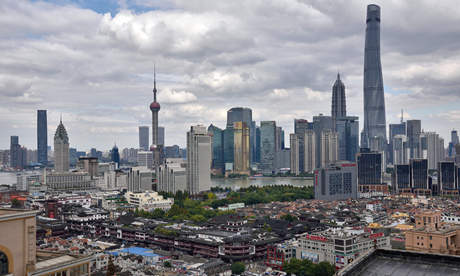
<point>433,236</point>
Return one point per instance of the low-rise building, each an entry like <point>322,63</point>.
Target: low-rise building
<point>338,247</point>
<point>149,200</point>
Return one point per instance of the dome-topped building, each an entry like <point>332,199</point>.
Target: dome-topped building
<point>61,149</point>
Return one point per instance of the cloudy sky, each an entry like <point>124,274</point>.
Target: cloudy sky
<point>92,62</point>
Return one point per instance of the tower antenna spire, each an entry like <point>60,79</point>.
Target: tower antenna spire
<point>154,84</point>
<point>402,115</point>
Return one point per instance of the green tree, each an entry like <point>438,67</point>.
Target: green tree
<point>167,264</point>
<point>289,217</point>
<point>158,213</point>
<point>15,203</point>
<point>238,268</point>
<point>324,269</point>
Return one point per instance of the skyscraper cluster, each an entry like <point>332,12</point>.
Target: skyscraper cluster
<point>243,146</point>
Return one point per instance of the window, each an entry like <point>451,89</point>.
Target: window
<point>431,245</point>
<point>431,237</point>
<point>3,263</point>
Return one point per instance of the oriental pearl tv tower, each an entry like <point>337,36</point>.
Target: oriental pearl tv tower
<point>155,108</point>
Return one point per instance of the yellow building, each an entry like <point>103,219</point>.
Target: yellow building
<point>18,254</point>
<point>241,148</point>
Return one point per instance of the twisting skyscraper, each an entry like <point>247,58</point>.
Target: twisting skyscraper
<point>374,100</point>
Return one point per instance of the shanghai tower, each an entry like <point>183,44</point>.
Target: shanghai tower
<point>374,133</point>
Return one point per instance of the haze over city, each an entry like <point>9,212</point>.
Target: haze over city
<point>92,62</point>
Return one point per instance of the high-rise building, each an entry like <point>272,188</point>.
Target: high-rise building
<point>300,127</point>
<point>309,150</point>
<point>321,123</point>
<point>400,150</point>
<point>15,151</point>
<point>400,179</point>
<point>374,99</point>
<point>370,165</point>
<point>294,146</point>
<point>414,129</point>
<point>347,129</point>
<point>268,146</point>
<point>173,151</point>
<point>336,182</point>
<point>199,154</point>
<point>89,165</point>
<point>431,149</point>
<point>395,129</point>
<point>339,106</point>
<point>115,155</point>
<point>161,135</point>
<point>419,176</point>
<point>241,148</point>
<point>446,178</point>
<point>172,176</point>
<point>229,142</point>
<point>243,114</point>
<point>217,138</point>
<point>61,149</point>
<point>144,137</point>
<point>145,159</point>
<point>329,147</point>
<point>257,147</point>
<point>42,137</point>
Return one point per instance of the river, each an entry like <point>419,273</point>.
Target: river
<point>236,183</point>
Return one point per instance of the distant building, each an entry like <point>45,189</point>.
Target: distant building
<point>329,147</point>
<point>414,129</point>
<point>419,176</point>
<point>336,182</point>
<point>89,165</point>
<point>268,146</point>
<point>145,159</point>
<point>243,114</point>
<point>241,148</point>
<point>347,129</point>
<point>401,180</point>
<point>309,153</point>
<point>339,106</point>
<point>395,129</point>
<point>15,151</point>
<point>172,176</point>
<point>198,160</point>
<point>129,155</point>
<point>447,174</point>
<point>321,123</point>
<point>141,179</point>
<point>172,152</point>
<point>217,138</point>
<point>61,149</point>
<point>42,137</point>
<point>370,179</point>
<point>161,135</point>
<point>144,138</point>
<point>115,155</point>
<point>66,181</point>
<point>300,127</point>
<point>294,145</point>
<point>400,155</point>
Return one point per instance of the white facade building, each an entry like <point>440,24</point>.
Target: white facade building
<point>198,160</point>
<point>145,159</point>
<point>149,200</point>
<point>172,176</point>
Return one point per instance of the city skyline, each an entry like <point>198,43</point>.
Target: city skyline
<point>105,105</point>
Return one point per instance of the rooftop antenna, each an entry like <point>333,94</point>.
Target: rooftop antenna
<point>402,115</point>
<point>154,84</point>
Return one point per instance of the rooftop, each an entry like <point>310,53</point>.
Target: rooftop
<point>396,262</point>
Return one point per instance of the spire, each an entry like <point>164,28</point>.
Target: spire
<point>402,115</point>
<point>60,120</point>
<point>154,84</point>
<point>338,75</point>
